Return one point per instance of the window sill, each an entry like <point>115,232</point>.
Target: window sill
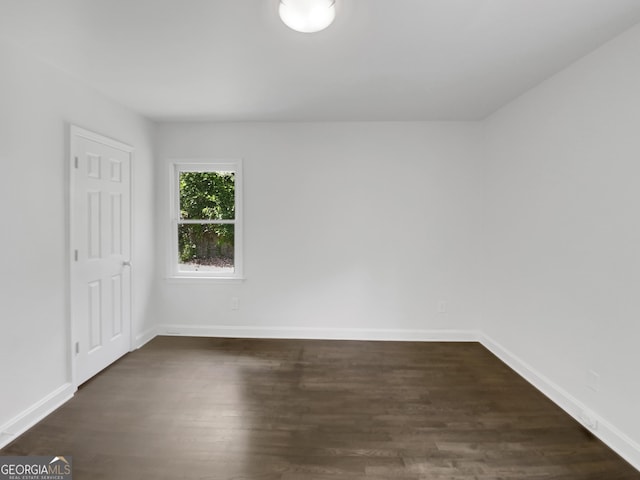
<point>198,279</point>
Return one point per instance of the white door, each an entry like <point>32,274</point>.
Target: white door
<point>100,200</point>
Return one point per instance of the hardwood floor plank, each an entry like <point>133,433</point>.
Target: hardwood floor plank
<point>232,409</point>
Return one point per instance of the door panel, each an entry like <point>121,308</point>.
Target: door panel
<point>95,315</point>
<point>101,246</point>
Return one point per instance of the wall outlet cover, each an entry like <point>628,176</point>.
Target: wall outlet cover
<point>589,420</point>
<point>593,381</point>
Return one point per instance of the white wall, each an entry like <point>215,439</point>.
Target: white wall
<point>359,226</point>
<point>563,231</point>
<point>37,103</point>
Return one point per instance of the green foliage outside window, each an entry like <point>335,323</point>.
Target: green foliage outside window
<point>206,196</point>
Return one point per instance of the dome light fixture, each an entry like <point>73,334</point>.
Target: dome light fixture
<point>307,16</point>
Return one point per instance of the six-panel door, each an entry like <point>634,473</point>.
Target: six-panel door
<point>100,271</point>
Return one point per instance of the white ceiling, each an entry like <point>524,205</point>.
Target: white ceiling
<point>233,60</point>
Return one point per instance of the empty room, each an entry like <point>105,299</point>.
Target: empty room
<point>320,239</point>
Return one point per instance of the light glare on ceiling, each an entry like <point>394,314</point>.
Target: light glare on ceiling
<point>307,16</point>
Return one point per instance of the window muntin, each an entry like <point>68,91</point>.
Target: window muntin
<point>206,220</point>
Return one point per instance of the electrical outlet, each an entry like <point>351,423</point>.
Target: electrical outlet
<point>442,306</point>
<point>235,303</point>
<point>588,419</point>
<point>593,381</point>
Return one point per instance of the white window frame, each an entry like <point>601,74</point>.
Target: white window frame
<point>205,165</point>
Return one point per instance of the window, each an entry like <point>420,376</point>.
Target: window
<point>207,219</point>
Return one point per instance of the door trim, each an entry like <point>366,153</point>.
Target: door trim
<point>76,132</point>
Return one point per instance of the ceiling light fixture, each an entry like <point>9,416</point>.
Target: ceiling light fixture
<point>307,16</point>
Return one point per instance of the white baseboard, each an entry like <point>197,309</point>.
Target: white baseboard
<point>145,337</point>
<point>311,333</point>
<point>617,440</point>
<point>36,412</point>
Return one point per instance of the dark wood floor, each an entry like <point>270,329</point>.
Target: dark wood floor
<point>201,408</point>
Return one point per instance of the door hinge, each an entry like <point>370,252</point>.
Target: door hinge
<point>77,348</point>
<point>75,255</point>
<point>75,162</point>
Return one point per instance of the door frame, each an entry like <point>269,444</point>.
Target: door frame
<point>75,132</point>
